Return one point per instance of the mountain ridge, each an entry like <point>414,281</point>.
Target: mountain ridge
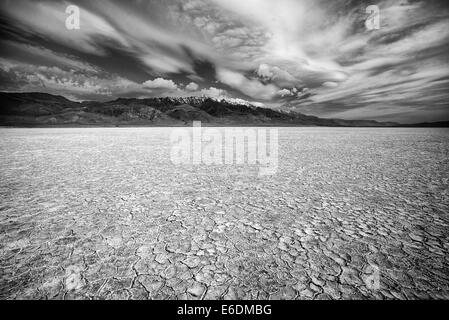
<point>34,109</point>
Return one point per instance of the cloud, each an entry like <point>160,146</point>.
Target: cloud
<point>213,92</point>
<point>277,75</point>
<point>164,64</point>
<point>192,86</point>
<point>284,92</point>
<point>250,87</point>
<point>48,19</point>
<point>330,84</point>
<point>68,82</point>
<point>20,51</point>
<point>160,83</point>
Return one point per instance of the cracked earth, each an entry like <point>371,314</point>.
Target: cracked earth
<point>103,214</point>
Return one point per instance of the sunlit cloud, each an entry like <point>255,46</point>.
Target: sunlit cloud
<point>160,83</point>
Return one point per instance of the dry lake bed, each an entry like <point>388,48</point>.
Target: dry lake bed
<point>104,214</point>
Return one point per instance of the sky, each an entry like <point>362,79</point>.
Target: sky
<point>315,57</point>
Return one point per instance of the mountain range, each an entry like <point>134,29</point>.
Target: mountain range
<point>46,110</point>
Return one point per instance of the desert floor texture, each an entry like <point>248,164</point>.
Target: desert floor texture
<point>104,214</point>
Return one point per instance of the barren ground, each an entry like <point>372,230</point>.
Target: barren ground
<point>103,214</point>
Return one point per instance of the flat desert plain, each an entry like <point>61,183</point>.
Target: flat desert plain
<point>102,213</point>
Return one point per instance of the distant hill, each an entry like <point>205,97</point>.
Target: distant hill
<point>41,109</point>
<point>439,124</point>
